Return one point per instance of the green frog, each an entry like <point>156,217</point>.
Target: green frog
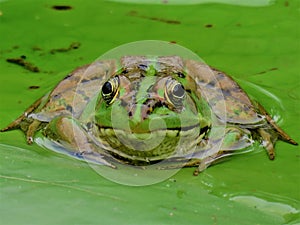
<point>141,110</point>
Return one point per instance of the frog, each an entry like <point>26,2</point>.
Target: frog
<point>143,110</point>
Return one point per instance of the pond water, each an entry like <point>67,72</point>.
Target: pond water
<point>257,42</point>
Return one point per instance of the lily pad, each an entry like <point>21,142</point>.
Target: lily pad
<point>257,45</point>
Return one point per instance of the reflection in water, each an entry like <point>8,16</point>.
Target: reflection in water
<point>281,208</point>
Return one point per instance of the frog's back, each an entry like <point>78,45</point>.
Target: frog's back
<point>226,98</point>
<point>75,91</point>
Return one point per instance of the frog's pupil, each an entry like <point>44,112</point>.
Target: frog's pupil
<point>107,88</point>
<point>178,90</point>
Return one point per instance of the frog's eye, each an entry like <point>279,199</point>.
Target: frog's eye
<point>110,90</point>
<point>174,93</point>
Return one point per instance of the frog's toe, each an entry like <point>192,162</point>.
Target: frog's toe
<point>268,141</point>
<point>29,140</point>
<point>31,130</point>
<point>204,163</point>
<point>270,149</point>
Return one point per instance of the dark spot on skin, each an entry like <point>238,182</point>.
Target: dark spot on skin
<point>94,78</point>
<point>124,71</point>
<point>23,56</point>
<point>149,89</point>
<point>226,92</point>
<point>89,125</point>
<point>238,24</point>
<point>34,87</point>
<point>136,85</point>
<point>22,62</point>
<point>73,45</point>
<point>211,84</point>
<point>57,96</point>
<point>204,130</point>
<point>15,47</point>
<point>180,74</point>
<point>221,76</point>
<point>123,103</point>
<point>68,76</point>
<point>208,25</point>
<point>143,67</point>
<point>246,108</point>
<point>83,95</point>
<point>84,80</point>
<point>61,7</point>
<point>173,42</point>
<point>158,104</point>
<point>69,108</point>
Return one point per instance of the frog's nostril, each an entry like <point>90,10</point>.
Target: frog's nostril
<point>149,110</point>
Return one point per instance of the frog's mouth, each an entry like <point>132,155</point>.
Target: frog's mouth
<point>152,146</point>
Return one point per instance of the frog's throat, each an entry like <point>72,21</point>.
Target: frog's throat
<point>152,146</point>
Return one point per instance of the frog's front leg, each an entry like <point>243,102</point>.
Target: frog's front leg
<point>70,134</point>
<point>234,141</point>
<point>28,125</point>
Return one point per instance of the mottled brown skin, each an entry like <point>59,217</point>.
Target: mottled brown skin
<point>239,109</point>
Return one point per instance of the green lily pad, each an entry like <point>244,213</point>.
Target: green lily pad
<point>41,41</point>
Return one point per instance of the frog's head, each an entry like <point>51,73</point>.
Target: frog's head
<point>146,107</point>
